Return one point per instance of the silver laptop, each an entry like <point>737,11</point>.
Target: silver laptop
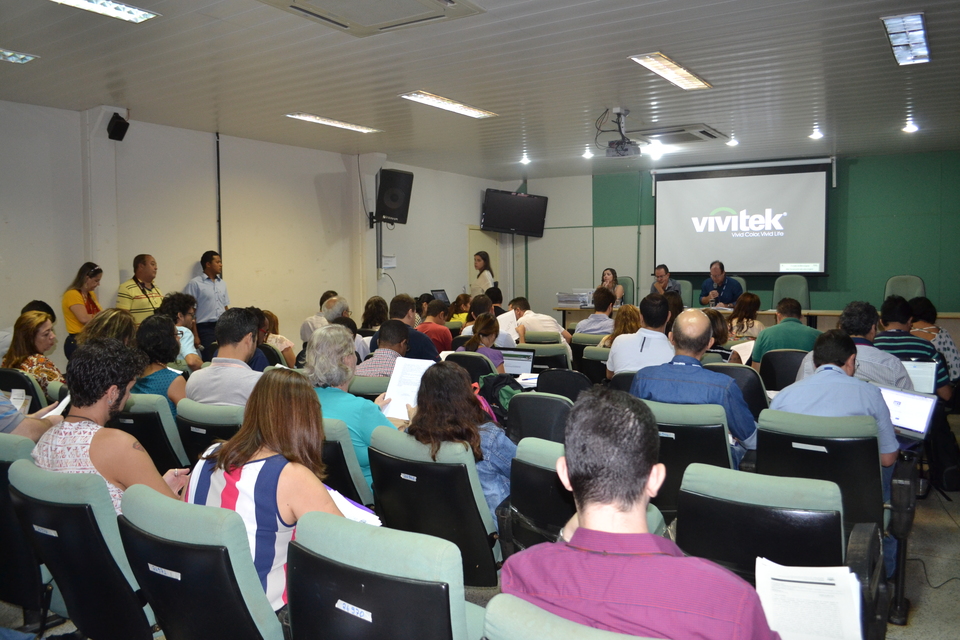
<point>517,361</point>
<point>910,411</point>
<point>923,375</point>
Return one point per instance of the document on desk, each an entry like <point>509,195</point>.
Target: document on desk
<point>810,603</point>
<point>404,385</point>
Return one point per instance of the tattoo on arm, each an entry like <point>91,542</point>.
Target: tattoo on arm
<point>138,446</point>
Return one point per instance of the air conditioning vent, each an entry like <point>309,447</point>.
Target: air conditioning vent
<point>363,18</point>
<point>682,134</point>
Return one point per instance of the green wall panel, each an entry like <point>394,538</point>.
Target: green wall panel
<point>616,200</point>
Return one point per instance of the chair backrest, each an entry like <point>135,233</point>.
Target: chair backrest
<point>791,521</point>
<point>537,415</point>
<point>686,292</point>
<point>743,283</point>
<point>200,424</point>
<point>747,378</point>
<point>629,289</point>
<point>563,382</point>
<point>548,356</point>
<point>351,580</point>
<point>792,286</point>
<point>368,387</point>
<point>579,342</point>
<point>779,367</point>
<point>711,358</point>
<point>841,450</point>
<point>74,530</point>
<point>56,390</point>
<point>594,363</point>
<point>16,379</point>
<point>147,418</point>
<point>459,341</point>
<point>511,618</point>
<point>343,469</point>
<point>194,566</point>
<point>20,580</point>
<point>907,286</point>
<point>688,433</point>
<point>476,364</point>
<point>455,327</point>
<point>542,337</point>
<point>442,498</point>
<point>623,380</point>
<point>272,354</point>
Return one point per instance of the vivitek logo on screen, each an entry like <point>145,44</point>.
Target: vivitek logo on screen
<point>768,224</point>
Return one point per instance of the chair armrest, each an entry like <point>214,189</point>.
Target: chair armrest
<point>505,525</point>
<point>865,559</point>
<point>903,496</point>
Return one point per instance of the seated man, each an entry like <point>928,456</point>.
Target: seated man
<point>599,322</point>
<point>896,316</point>
<point>496,297</point>
<point>229,379</point>
<point>859,321</point>
<point>29,426</point>
<point>392,345</point>
<point>434,327</point>
<point>527,320</point>
<point>833,391</point>
<point>484,304</point>
<point>718,290</point>
<point>684,381</point>
<point>613,574</point>
<point>403,308</point>
<point>788,333</point>
<point>317,320</point>
<point>649,346</point>
<point>182,309</point>
<point>663,282</point>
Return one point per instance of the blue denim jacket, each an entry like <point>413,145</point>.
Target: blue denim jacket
<point>494,470</point>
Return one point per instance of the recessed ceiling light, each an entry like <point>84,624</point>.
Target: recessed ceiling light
<point>670,70</point>
<point>656,149</point>
<point>732,142</point>
<point>446,103</point>
<point>816,135</point>
<point>309,117</point>
<point>112,9</point>
<point>524,159</point>
<point>16,57</point>
<point>588,154</point>
<point>908,38</point>
<point>910,126</point>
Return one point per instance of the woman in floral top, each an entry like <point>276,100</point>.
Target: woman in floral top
<point>32,337</point>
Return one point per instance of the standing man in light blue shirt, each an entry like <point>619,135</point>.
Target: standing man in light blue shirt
<point>210,291</point>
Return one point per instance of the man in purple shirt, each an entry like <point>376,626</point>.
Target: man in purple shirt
<point>613,574</point>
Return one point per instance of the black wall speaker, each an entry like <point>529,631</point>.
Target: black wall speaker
<point>393,196</point>
<point>117,127</point>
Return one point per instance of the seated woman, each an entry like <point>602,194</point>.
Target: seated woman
<point>110,323</point>
<point>100,375</point>
<point>627,320</point>
<point>743,321</point>
<point>608,280</point>
<point>485,332</point>
<point>720,337</point>
<point>157,338</point>
<point>274,339</point>
<point>925,326</point>
<point>32,337</point>
<point>375,313</point>
<point>675,303</point>
<point>331,363</point>
<point>271,472</point>
<point>460,308</point>
<point>448,411</point>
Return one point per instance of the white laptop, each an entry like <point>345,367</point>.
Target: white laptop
<point>517,361</point>
<point>923,375</point>
<point>910,411</point>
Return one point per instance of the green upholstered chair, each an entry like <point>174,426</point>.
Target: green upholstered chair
<point>352,580</point>
<point>195,568</point>
<point>563,382</point>
<point>907,286</point>
<point>442,497</point>
<point>273,355</point>
<point>542,337</point>
<point>476,364</point>
<point>368,387</point>
<point>200,424</point>
<point>56,390</point>
<point>147,418</point>
<point>579,342</point>
<point>571,326</point>
<point>548,356</point>
<point>688,433</point>
<point>343,469</point>
<point>17,379</point>
<point>455,327</point>
<point>629,289</point>
<point>779,367</point>
<point>792,286</point>
<point>743,283</point>
<point>623,380</point>
<point>747,378</point>
<point>74,530</point>
<point>594,363</point>
<point>711,358</point>
<point>537,415</point>
<point>686,292</point>
<point>511,618</point>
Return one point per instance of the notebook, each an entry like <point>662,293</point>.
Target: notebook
<point>910,411</point>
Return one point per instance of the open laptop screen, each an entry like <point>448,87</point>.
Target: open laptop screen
<point>923,375</point>
<point>517,361</point>
<point>440,294</point>
<point>910,412</point>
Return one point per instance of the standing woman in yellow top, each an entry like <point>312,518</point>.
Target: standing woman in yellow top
<point>80,303</point>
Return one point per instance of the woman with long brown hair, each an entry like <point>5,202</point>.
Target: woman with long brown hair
<point>460,308</point>
<point>110,323</point>
<point>486,330</point>
<point>272,466</point>
<point>743,321</point>
<point>627,320</point>
<point>80,303</point>
<point>448,411</point>
<point>32,337</point>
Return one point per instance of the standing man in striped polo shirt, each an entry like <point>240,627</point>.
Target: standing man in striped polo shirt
<point>139,295</point>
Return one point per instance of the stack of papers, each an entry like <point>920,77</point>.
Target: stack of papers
<point>404,385</point>
<point>528,380</point>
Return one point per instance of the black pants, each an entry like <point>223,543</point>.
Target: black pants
<point>208,335</point>
<point>70,345</point>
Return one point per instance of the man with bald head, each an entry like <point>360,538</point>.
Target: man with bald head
<point>684,381</point>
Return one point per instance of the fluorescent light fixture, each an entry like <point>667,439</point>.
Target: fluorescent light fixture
<point>16,57</point>
<point>670,70</point>
<point>524,159</point>
<point>309,117</point>
<point>816,135</point>
<point>732,142</point>
<point>588,154</point>
<point>446,103</point>
<point>112,9</point>
<point>908,38</point>
<point>910,126</point>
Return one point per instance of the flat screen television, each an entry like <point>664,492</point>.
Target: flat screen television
<point>509,212</point>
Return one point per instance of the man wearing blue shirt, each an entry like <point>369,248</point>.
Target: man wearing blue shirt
<point>210,292</point>
<point>718,290</point>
